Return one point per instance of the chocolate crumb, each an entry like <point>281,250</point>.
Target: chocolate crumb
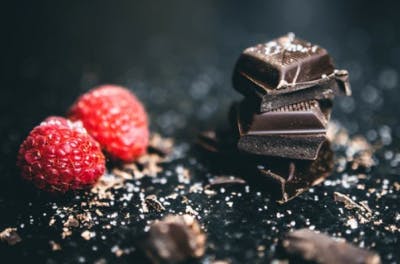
<point>350,204</point>
<point>54,246</point>
<point>87,235</point>
<point>71,222</point>
<point>10,236</point>
<point>153,203</point>
<point>175,238</point>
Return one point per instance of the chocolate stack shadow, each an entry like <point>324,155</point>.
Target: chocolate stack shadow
<point>279,129</point>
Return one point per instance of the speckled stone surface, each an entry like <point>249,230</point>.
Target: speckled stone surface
<point>178,58</point>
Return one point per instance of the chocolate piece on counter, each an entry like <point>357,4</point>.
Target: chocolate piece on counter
<point>174,239</point>
<point>307,245</point>
<point>285,65</point>
<point>293,177</point>
<point>296,131</point>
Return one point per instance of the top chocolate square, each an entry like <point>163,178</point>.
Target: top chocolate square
<point>281,66</point>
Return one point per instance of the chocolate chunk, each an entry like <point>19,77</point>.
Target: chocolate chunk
<point>307,245</point>
<point>175,239</point>
<point>292,146</point>
<point>296,131</point>
<point>296,119</point>
<point>283,178</point>
<point>293,177</point>
<point>286,65</point>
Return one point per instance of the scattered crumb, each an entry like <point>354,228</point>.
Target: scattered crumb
<point>152,203</point>
<point>87,235</point>
<point>54,246</point>
<point>10,236</point>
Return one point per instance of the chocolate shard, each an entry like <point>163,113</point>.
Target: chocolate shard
<point>225,181</point>
<point>307,245</point>
<point>175,238</point>
<point>296,131</point>
<point>293,177</point>
<point>285,65</point>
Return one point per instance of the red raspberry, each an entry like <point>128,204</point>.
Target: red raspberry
<point>59,155</point>
<point>116,119</point>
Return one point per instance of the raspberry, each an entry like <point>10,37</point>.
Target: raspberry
<point>58,156</point>
<point>116,119</point>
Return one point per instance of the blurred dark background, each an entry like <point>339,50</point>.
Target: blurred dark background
<point>174,54</point>
<point>177,56</point>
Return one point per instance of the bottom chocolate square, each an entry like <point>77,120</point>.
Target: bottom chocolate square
<point>284,178</point>
<point>293,177</point>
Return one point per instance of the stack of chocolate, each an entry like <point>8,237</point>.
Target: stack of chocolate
<point>289,86</point>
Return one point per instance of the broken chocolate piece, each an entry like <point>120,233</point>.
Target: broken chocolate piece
<point>296,119</point>
<point>175,239</point>
<point>284,178</point>
<point>304,147</point>
<point>152,203</point>
<point>295,131</point>
<point>285,65</point>
<point>293,177</point>
<point>314,247</point>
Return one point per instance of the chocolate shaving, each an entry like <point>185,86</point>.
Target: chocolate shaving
<point>350,204</point>
<point>152,203</point>
<point>224,181</point>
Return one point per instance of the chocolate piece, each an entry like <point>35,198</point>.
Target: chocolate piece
<point>285,65</point>
<point>175,239</point>
<point>295,131</point>
<point>314,247</point>
<point>283,178</point>
<point>324,92</point>
<point>296,119</point>
<point>293,177</point>
<point>292,147</point>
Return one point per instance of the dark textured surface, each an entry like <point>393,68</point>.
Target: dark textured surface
<point>178,58</point>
